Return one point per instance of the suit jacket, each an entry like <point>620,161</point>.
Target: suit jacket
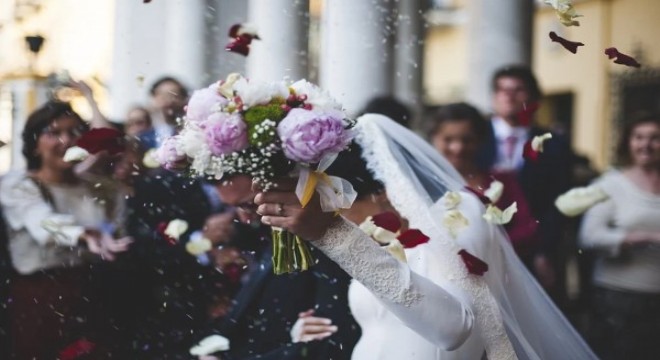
<point>267,307</point>
<point>542,182</point>
<point>160,292</point>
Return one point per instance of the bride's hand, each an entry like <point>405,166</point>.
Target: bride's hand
<point>280,207</point>
<point>309,328</point>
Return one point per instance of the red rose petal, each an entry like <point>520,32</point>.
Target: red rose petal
<point>621,58</point>
<point>529,153</point>
<point>77,349</point>
<point>474,265</point>
<point>100,139</point>
<point>388,221</point>
<point>526,115</point>
<point>411,238</point>
<point>160,229</point>
<point>240,45</point>
<point>483,198</point>
<point>571,46</point>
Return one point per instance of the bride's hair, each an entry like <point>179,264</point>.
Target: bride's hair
<point>351,166</point>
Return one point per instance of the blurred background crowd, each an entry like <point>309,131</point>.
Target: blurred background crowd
<point>107,281</point>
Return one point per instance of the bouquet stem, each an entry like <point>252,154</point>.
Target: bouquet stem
<point>290,252</point>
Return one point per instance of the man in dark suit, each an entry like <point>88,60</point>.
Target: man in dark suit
<point>268,305</point>
<point>515,95</point>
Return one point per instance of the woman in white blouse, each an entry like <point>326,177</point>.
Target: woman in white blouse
<point>625,232</point>
<point>55,223</point>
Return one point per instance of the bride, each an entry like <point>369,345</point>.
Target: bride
<point>432,306</point>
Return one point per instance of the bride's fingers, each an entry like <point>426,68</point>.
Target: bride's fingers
<point>279,209</point>
<point>313,320</point>
<point>276,197</point>
<point>321,336</point>
<point>307,313</point>
<point>318,329</point>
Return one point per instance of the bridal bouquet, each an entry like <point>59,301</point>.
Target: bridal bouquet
<point>266,130</point>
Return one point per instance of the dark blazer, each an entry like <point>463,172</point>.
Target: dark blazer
<point>542,182</point>
<point>160,292</point>
<point>267,306</point>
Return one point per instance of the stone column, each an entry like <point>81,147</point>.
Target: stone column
<point>185,41</point>
<point>356,61</point>
<point>283,26</point>
<point>500,34</point>
<point>408,52</point>
<point>223,14</point>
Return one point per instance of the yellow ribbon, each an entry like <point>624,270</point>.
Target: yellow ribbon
<point>310,185</point>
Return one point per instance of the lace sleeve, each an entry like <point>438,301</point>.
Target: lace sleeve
<point>414,299</point>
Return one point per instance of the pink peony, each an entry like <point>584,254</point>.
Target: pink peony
<point>225,133</point>
<point>307,136</point>
<point>168,155</point>
<point>204,102</point>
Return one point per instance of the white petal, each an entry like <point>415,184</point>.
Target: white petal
<point>210,345</point>
<point>494,191</point>
<point>75,153</point>
<point>537,141</point>
<point>175,228</point>
<point>396,249</point>
<point>451,199</point>
<point>368,226</point>
<point>454,220</point>
<point>496,216</point>
<point>198,246</point>
<point>149,160</point>
<point>383,236</point>
<point>577,201</point>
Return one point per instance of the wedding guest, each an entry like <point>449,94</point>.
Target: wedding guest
<point>458,132</point>
<point>138,120</point>
<point>56,229</point>
<point>516,93</point>
<point>625,232</point>
<point>268,305</point>
<point>390,107</point>
<point>168,97</point>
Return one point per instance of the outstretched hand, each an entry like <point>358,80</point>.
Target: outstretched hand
<point>280,207</point>
<point>309,327</point>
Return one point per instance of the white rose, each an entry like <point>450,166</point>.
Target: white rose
<point>210,345</point>
<point>494,191</point>
<point>396,249</point>
<point>175,228</point>
<point>577,201</point>
<point>454,220</point>
<point>537,141</point>
<point>198,246</point>
<point>191,141</point>
<point>451,199</point>
<point>495,215</point>
<point>75,153</point>
<point>317,97</point>
<point>259,93</point>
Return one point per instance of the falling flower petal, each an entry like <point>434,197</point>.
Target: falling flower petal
<point>571,46</point>
<point>226,88</point>
<point>565,12</point>
<point>149,159</point>
<point>388,221</point>
<point>411,238</point>
<point>534,146</point>
<point>378,233</point>
<point>198,246</point>
<point>160,229</point>
<point>451,199</point>
<point>77,349</point>
<point>495,215</point>
<point>176,228</point>
<point>576,201</point>
<point>494,191</point>
<point>102,139</point>
<point>396,249</point>
<point>621,58</point>
<point>474,265</point>
<point>75,153</point>
<point>526,115</point>
<point>210,345</point>
<point>454,220</point>
<point>242,38</point>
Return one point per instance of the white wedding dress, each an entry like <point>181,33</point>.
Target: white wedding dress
<point>431,307</point>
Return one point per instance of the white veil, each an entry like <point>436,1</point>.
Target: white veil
<point>416,176</point>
